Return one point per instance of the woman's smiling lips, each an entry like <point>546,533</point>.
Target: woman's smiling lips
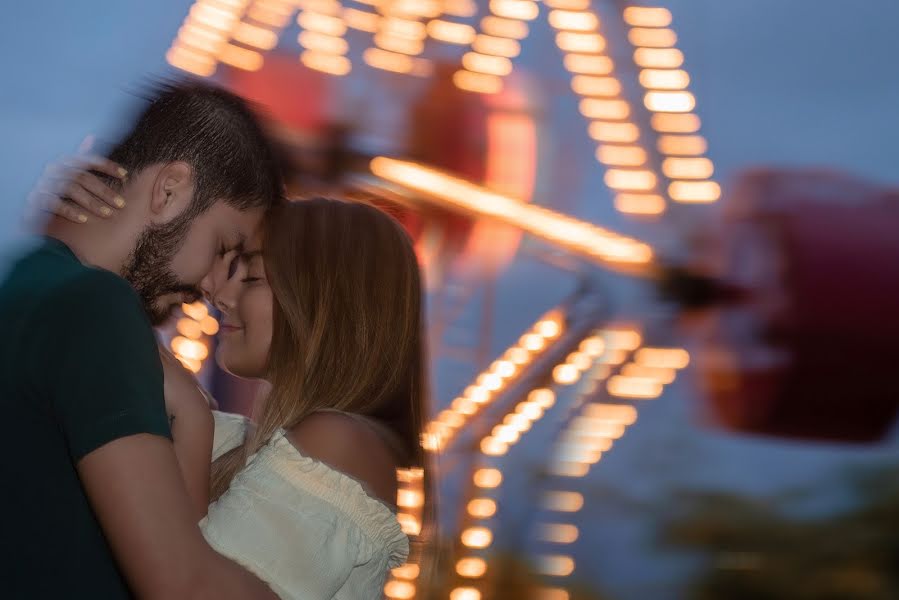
<point>228,328</point>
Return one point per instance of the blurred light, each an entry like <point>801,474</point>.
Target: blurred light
<point>327,7</point>
<point>568,4</point>
<point>573,21</point>
<point>694,191</point>
<point>196,311</point>
<point>593,346</point>
<point>465,593</point>
<point>594,108</point>
<point>213,16</point>
<point>557,533</point>
<point>580,42</point>
<point>548,328</point>
<point>505,434</point>
<point>565,374</point>
<point>361,20</point>
<point>452,33</point>
<point>407,571</point>
<point>570,469</point>
<point>624,339</point>
<point>320,42</point>
<point>662,375</point>
<point>621,156</point>
<point>560,501</point>
<point>620,179</point>
<point>663,358</point>
<point>657,38</point>
<point>675,123</point>
<point>613,132</point>
<point>556,566</point>
<point>326,63</point>
<point>209,325</point>
<point>483,63</point>
<point>531,410</point>
<point>477,537</point>
<point>588,64</point>
<point>682,144</point>
<point>552,594</point>
<point>477,394</point>
<point>471,567</point>
<point>579,360</point>
<point>595,86</point>
<point>634,387</point>
<point>269,15</point>
<point>533,342</point>
<point>417,8</point>
<point>508,28</point>
<point>518,422</point>
<point>401,590</point>
<point>519,356</point>
<point>191,62</point>
<point>640,204</point>
<point>482,508</point>
<point>477,82</point>
<point>643,16</point>
<point>189,328</point>
<point>503,368</point>
<point>688,168</point>
<point>409,524</point>
<point>677,102</point>
<point>542,397</point>
<point>321,23</point>
<point>573,234</point>
<point>496,46</point>
<point>493,447</point>
<point>619,413</point>
<point>659,58</point>
<point>464,406</point>
<point>664,79</point>
<point>524,10</point>
<point>490,381</point>
<point>399,44</point>
<point>190,364</point>
<point>487,478</point>
<point>242,58</point>
<point>405,28</point>
<point>410,498</point>
<point>460,8</point>
<point>253,35</point>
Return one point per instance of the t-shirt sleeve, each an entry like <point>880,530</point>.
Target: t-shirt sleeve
<point>102,371</point>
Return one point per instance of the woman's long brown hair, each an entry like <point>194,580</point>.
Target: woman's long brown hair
<point>348,330</point>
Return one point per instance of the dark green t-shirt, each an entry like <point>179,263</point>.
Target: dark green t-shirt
<point>79,368</point>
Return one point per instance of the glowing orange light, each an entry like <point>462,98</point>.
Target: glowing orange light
<point>477,537</point>
<point>573,20</point>
<point>487,478</point>
<point>560,501</point>
<point>524,10</point>
<point>326,63</point>
<point>483,63</point>
<point>557,533</point>
<point>694,191</point>
<point>682,144</point>
<point>580,42</point>
<point>588,64</point>
<point>621,156</point>
<point>654,38</point>
<point>595,86</point>
<point>664,79</point>
<point>659,58</point>
<point>688,168</point>
<point>613,132</point>
<point>480,83</point>
<point>496,46</point>
<point>482,508</point>
<point>642,16</point>
<point>471,568</point>
<point>594,108</point>
<point>620,179</point>
<point>640,204</point>
<point>556,565</point>
<point>675,123</point>
<point>451,33</point>
<point>510,28</point>
<point>675,102</point>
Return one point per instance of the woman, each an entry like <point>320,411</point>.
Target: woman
<point>325,306</point>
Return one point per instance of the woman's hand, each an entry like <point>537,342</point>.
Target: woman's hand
<point>71,179</point>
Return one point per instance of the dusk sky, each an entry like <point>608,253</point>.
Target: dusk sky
<point>777,82</point>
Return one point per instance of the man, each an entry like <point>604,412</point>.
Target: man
<point>94,504</point>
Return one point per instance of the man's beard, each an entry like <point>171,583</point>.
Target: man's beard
<point>149,268</point>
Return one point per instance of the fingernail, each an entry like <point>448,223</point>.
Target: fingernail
<point>123,172</point>
<point>105,211</point>
<point>82,218</point>
<point>119,201</point>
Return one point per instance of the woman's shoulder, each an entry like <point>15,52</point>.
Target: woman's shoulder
<point>351,446</point>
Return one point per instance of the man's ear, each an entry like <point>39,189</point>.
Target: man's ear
<point>172,191</point>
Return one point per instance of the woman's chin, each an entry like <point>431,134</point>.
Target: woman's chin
<point>234,364</point>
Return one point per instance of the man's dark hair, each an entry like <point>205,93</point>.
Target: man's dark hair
<point>216,133</point>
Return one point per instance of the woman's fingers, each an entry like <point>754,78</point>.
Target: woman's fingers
<point>47,201</point>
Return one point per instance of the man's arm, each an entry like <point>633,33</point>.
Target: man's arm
<point>135,488</point>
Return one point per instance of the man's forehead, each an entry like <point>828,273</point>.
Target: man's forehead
<point>242,227</point>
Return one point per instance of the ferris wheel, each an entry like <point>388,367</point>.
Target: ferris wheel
<point>577,377</point>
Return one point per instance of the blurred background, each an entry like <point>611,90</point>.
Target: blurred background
<point>661,248</point>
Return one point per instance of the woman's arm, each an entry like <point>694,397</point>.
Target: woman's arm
<point>192,426</point>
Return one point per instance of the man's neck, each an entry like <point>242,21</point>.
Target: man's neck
<point>92,245</point>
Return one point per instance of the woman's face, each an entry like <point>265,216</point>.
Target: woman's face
<point>245,299</point>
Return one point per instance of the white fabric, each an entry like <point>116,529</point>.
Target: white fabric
<point>307,530</point>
